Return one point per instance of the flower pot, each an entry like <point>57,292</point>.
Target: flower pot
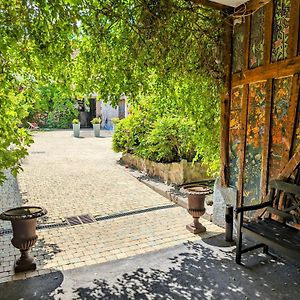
<point>96,128</point>
<point>196,206</point>
<point>24,220</point>
<point>76,130</point>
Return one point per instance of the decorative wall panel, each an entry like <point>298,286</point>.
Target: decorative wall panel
<point>296,142</point>
<point>254,142</point>
<point>256,54</point>
<point>279,123</point>
<point>280,29</point>
<point>238,47</point>
<point>235,135</point>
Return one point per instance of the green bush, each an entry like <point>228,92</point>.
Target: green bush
<point>115,121</point>
<point>170,140</point>
<point>96,121</point>
<point>130,132</point>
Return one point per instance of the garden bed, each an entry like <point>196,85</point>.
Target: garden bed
<point>177,173</point>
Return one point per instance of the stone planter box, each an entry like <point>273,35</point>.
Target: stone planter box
<point>177,172</point>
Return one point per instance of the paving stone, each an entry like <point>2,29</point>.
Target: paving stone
<point>70,177</point>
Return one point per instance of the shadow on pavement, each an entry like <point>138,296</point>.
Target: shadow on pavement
<point>189,271</point>
<point>41,287</point>
<point>199,274</point>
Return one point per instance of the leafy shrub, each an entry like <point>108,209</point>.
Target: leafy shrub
<point>130,132</point>
<point>115,120</point>
<point>75,121</point>
<point>96,121</point>
<point>170,140</point>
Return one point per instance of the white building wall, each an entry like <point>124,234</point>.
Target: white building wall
<point>107,113</point>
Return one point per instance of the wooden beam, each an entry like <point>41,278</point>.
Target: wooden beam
<point>250,6</point>
<point>275,70</point>
<point>243,137</point>
<point>294,28</point>
<point>266,140</point>
<point>212,4</point>
<point>292,116</point>
<point>292,164</point>
<point>225,105</point>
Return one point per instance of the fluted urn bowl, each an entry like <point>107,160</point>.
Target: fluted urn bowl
<point>196,205</point>
<point>24,220</point>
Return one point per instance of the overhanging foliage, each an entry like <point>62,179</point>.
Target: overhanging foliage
<point>109,47</point>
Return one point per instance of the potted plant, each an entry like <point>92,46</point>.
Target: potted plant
<point>115,121</point>
<point>76,127</point>
<point>24,220</point>
<point>96,126</point>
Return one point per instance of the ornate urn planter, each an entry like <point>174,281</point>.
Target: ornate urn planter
<point>24,220</point>
<point>196,206</point>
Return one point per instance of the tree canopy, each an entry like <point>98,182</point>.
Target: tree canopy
<point>170,50</point>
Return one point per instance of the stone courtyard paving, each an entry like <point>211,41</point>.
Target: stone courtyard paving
<point>81,176</point>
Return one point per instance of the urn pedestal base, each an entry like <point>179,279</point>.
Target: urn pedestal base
<point>191,228</point>
<point>196,227</point>
<point>25,263</point>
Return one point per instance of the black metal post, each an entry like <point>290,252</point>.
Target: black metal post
<point>229,223</point>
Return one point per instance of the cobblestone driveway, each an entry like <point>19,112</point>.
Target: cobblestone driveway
<point>79,176</point>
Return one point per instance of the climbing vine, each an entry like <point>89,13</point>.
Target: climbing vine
<point>162,48</point>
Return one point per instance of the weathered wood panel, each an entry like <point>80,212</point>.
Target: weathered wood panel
<point>279,123</point>
<point>294,28</point>
<point>266,141</point>
<point>281,22</point>
<point>235,135</point>
<point>239,48</point>
<point>254,143</point>
<point>256,52</point>
<point>292,125</point>
<point>264,134</point>
<point>296,136</point>
<point>243,132</point>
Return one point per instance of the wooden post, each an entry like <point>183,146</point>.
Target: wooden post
<point>225,105</point>
<point>244,114</point>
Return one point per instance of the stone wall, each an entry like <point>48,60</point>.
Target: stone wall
<point>223,196</point>
<point>10,197</point>
<point>177,173</point>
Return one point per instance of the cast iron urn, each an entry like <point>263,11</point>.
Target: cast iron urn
<point>196,206</point>
<point>24,220</point>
